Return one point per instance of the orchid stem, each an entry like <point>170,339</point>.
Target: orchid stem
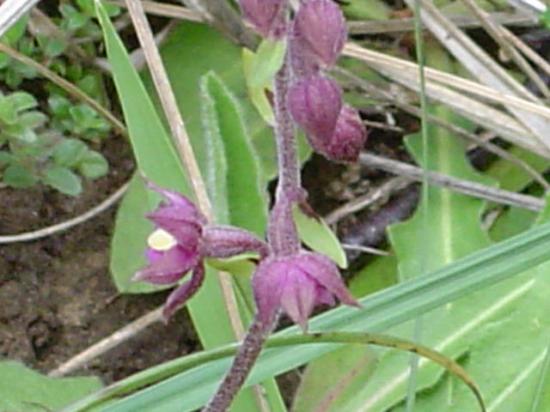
<point>240,369</point>
<point>282,237</point>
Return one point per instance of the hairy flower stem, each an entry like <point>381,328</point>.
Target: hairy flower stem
<point>282,234</point>
<point>282,237</point>
<point>241,367</point>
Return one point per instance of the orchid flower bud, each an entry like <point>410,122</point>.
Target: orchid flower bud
<point>318,33</point>
<point>315,103</point>
<point>348,139</point>
<point>296,284</point>
<point>266,16</point>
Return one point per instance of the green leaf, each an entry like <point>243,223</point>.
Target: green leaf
<point>324,384</point>
<point>257,95</point>
<point>189,52</point>
<point>129,237</point>
<point>93,165</point>
<point>17,176</point>
<point>366,10</point>
<point>22,389</point>
<point>246,199</point>
<point>63,179</point>
<point>496,267</point>
<point>22,101</point>
<point>8,111</point>
<point>266,62</point>
<point>69,152</point>
<point>316,234</point>
<point>33,119</point>
<point>12,36</point>
<point>5,158</point>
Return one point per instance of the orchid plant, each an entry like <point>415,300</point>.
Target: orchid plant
<point>288,278</point>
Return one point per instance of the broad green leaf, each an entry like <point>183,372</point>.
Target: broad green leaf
<point>496,267</point>
<point>246,199</point>
<point>63,179</point>
<point>128,242</point>
<point>454,231</point>
<point>24,390</point>
<point>316,234</point>
<point>324,384</point>
<point>191,51</point>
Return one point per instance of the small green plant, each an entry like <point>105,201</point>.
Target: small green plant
<point>46,144</point>
<point>31,151</point>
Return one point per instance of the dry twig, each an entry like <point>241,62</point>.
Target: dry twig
<point>459,185</point>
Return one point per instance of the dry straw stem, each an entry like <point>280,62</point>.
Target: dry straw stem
<point>484,115</point>
<point>407,24</point>
<point>526,50</point>
<point>484,68</point>
<point>13,10</point>
<point>377,194</point>
<point>495,30</point>
<point>459,185</point>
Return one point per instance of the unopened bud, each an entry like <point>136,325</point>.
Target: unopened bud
<point>315,103</point>
<point>318,34</point>
<point>349,137</point>
<point>266,16</point>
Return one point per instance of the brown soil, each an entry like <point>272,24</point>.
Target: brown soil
<point>56,294</point>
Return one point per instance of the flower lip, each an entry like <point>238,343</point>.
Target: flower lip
<point>160,240</point>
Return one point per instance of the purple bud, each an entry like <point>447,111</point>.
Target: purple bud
<point>266,16</point>
<point>318,32</point>
<point>315,103</point>
<point>348,139</point>
<point>296,284</point>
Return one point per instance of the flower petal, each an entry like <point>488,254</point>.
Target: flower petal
<point>267,286</point>
<point>324,271</point>
<point>298,297</point>
<point>167,267</point>
<point>183,293</point>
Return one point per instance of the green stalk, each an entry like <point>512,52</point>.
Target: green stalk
<point>417,335</point>
<point>171,368</point>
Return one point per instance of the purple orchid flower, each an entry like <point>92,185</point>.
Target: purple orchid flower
<point>296,284</point>
<point>181,241</point>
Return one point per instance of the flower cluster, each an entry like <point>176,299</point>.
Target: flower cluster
<point>287,278</point>
<point>317,36</point>
<point>182,239</point>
